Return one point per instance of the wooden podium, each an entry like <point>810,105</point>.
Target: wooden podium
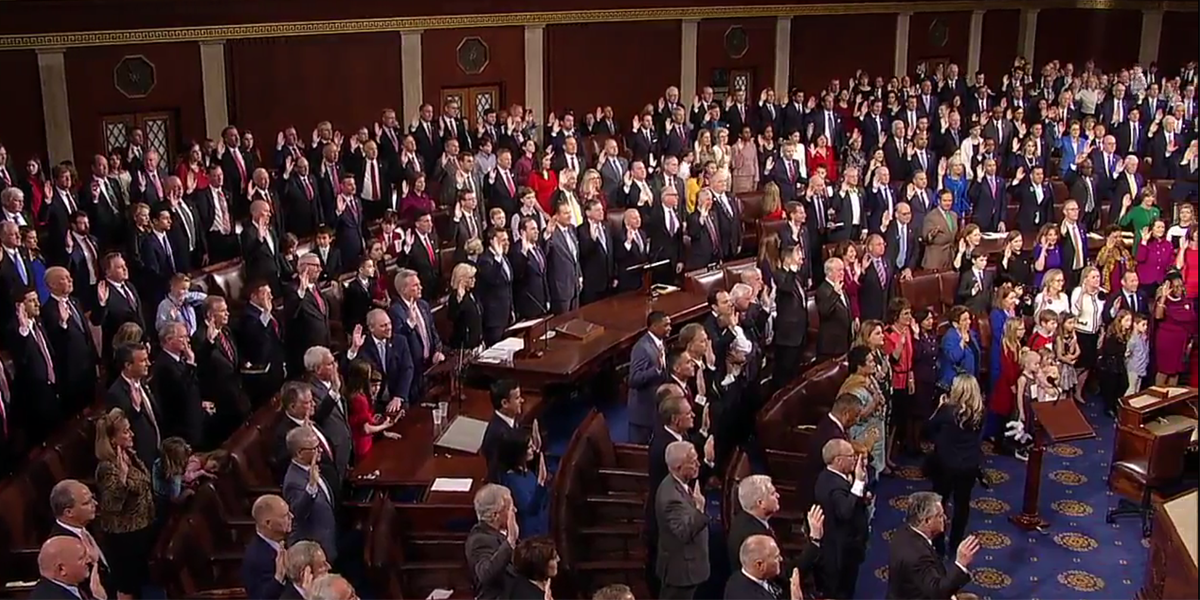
<point>1054,422</point>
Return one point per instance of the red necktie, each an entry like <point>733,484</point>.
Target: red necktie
<point>225,345</point>
<point>41,343</point>
<point>157,184</point>
<point>241,165</point>
<point>375,192</point>
<point>307,187</point>
<point>320,301</point>
<point>508,181</point>
<point>429,248</point>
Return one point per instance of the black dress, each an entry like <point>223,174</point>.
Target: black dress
<point>467,322</point>
<point>1019,271</point>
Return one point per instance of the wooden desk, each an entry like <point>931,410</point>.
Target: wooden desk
<point>1171,569</point>
<point>1141,418</point>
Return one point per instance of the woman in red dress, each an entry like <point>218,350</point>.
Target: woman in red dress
<point>544,182</point>
<point>191,171</point>
<point>848,252</point>
<point>821,154</point>
<point>362,382</point>
<point>417,200</point>
<point>1003,403</point>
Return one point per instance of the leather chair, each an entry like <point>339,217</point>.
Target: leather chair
<point>704,281</point>
<point>1156,472</point>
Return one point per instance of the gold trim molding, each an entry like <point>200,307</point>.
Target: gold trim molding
<point>303,28</point>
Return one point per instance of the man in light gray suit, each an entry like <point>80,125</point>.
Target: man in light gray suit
<point>682,525</point>
<point>647,369</point>
<point>562,262</point>
<point>613,168</point>
<point>307,493</point>
<point>331,410</point>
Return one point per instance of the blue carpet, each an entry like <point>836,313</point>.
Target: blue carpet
<point>1080,557</point>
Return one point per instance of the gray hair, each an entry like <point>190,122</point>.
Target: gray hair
<point>834,263</point>
<point>315,357</point>
<point>292,393</point>
<point>751,275</point>
<point>300,437</point>
<point>752,490</point>
<point>490,500</point>
<point>299,556</point>
<point>168,329</point>
<point>12,192</point>
<point>62,495</point>
<point>741,290</point>
<point>402,276</point>
<point>922,506</point>
<point>677,453</point>
<point>329,587</point>
<point>833,449</point>
<point>754,549</point>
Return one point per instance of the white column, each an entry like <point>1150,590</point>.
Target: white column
<point>535,69</point>
<point>1152,21</point>
<point>687,58</point>
<point>216,93</point>
<point>900,66</point>
<point>56,110</point>
<point>1027,33</point>
<point>974,44</point>
<point>783,56</point>
<point>410,67</point>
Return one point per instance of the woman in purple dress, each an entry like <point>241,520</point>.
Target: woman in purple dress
<point>1176,331</point>
<point>925,364</point>
<point>1046,253</point>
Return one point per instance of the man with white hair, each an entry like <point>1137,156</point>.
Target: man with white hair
<point>729,214</point>
<point>491,541</point>
<point>759,501</point>
<point>309,496</point>
<point>331,412</point>
<point>833,311</point>
<point>682,561</point>
<point>307,312</point>
<point>12,206</point>
<point>304,563</point>
<point>187,414</point>
<point>761,567</point>
<point>915,571</point>
<point>330,587</point>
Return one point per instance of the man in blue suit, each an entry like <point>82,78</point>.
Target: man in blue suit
<point>647,369</point>
<point>412,317</point>
<point>263,562</point>
<point>390,355</point>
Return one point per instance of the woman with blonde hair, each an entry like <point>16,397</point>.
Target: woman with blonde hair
<point>721,148</point>
<point>590,188</point>
<point>124,504</point>
<point>772,204</point>
<point>1052,296</point>
<point>703,148</point>
<point>954,466</point>
<point>465,315</point>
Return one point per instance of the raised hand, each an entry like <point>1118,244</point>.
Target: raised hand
<point>860,468</point>
<point>966,551</point>
<point>23,320</point>
<point>357,338</point>
<point>338,138</point>
<point>816,522</point>
<point>795,585</point>
<point>64,312</point>
<point>698,497</point>
<point>279,141</point>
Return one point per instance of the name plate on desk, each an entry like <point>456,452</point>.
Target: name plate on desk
<point>578,329</point>
<point>464,434</point>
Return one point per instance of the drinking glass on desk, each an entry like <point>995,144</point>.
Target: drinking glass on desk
<point>444,408</point>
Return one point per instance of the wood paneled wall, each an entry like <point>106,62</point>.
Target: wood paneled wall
<point>1109,37</point>
<point>759,57</point>
<point>821,52</point>
<point>505,66</point>
<point>22,127</point>
<point>1000,44</point>
<point>939,36</point>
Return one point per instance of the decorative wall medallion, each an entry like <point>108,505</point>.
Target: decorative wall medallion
<point>736,41</point>
<point>939,33</point>
<point>473,55</point>
<point>134,76</point>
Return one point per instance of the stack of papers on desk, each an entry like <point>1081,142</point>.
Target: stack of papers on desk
<point>451,484</point>
<point>502,352</point>
<point>994,235</point>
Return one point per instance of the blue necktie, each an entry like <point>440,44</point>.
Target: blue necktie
<point>21,267</point>
<point>902,256</point>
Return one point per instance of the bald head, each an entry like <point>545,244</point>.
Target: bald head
<point>58,280</point>
<point>759,556</point>
<point>330,587</point>
<point>63,559</point>
<point>272,517</point>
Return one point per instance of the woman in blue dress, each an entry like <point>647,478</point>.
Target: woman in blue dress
<point>869,432</point>
<point>960,353</point>
<point>528,485</point>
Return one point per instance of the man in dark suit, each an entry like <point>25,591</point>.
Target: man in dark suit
<point>70,339</point>
<point>877,284</point>
<point>705,234</point>
<point>260,343</point>
<point>915,571</point>
<point>791,318</point>
<point>902,241</point>
<point>531,289</point>
<point>262,247</point>
<point>728,210</point>
<point>186,415</point>
<point>331,410</point>
<point>786,173</point>
<point>682,553</point>
<point>504,424</point>
<point>647,370</point>
<point>36,388</point>
<point>117,302</point>
<point>102,199</point>
<point>74,507</point>
<point>989,195</point>
<point>307,312</point>
<point>840,491</point>
<point>347,220</point>
<point>759,501</point>
<point>562,262</point>
<point>490,543</point>
<point>631,249</point>
<point>1073,242</point>
<point>219,367</point>
<point>413,318</point>
<point>833,309</point>
<point>666,229</point>
<point>263,570</point>
<point>1085,189</point>
<point>1035,201</point>
<point>975,285</point>
<point>308,494</point>
<point>390,355</point>
<point>160,254</point>
<point>595,253</point>
<point>495,286</point>
<point>1128,297</point>
<point>296,399</point>
<point>133,396</point>
<point>842,415</point>
<point>423,257</point>
<point>63,565</point>
<point>237,164</point>
<point>214,218</point>
<point>758,564</point>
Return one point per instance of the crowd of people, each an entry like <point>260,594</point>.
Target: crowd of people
<point>898,175</point>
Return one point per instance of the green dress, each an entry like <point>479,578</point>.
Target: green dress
<point>1137,218</point>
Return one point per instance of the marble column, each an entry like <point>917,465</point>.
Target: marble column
<point>1027,34</point>
<point>535,69</point>
<point>687,59</point>
<point>974,44</point>
<point>1152,22</point>
<point>783,56</point>
<point>900,65</point>
<point>410,67</point>
<point>56,110</point>
<point>216,92</point>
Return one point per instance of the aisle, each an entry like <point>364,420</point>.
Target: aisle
<point>1081,556</point>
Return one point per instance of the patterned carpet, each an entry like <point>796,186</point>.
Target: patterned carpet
<point>1080,557</point>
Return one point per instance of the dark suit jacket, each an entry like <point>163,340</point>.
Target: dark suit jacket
<point>1117,302</point>
<point>258,570</point>
<point>844,544</point>
<point>307,319</point>
<point>966,295</point>
<point>740,587</point>
<point>147,431</point>
<point>497,431</point>
<point>495,290</point>
<point>530,286</point>
<point>833,330</point>
<point>57,530</point>
<point>184,416</point>
<point>396,367</point>
<point>827,429</point>
<point>49,590</point>
<point>489,557</point>
<point>875,294</point>
<point>916,572</point>
<point>791,307</point>
<point>745,525</point>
